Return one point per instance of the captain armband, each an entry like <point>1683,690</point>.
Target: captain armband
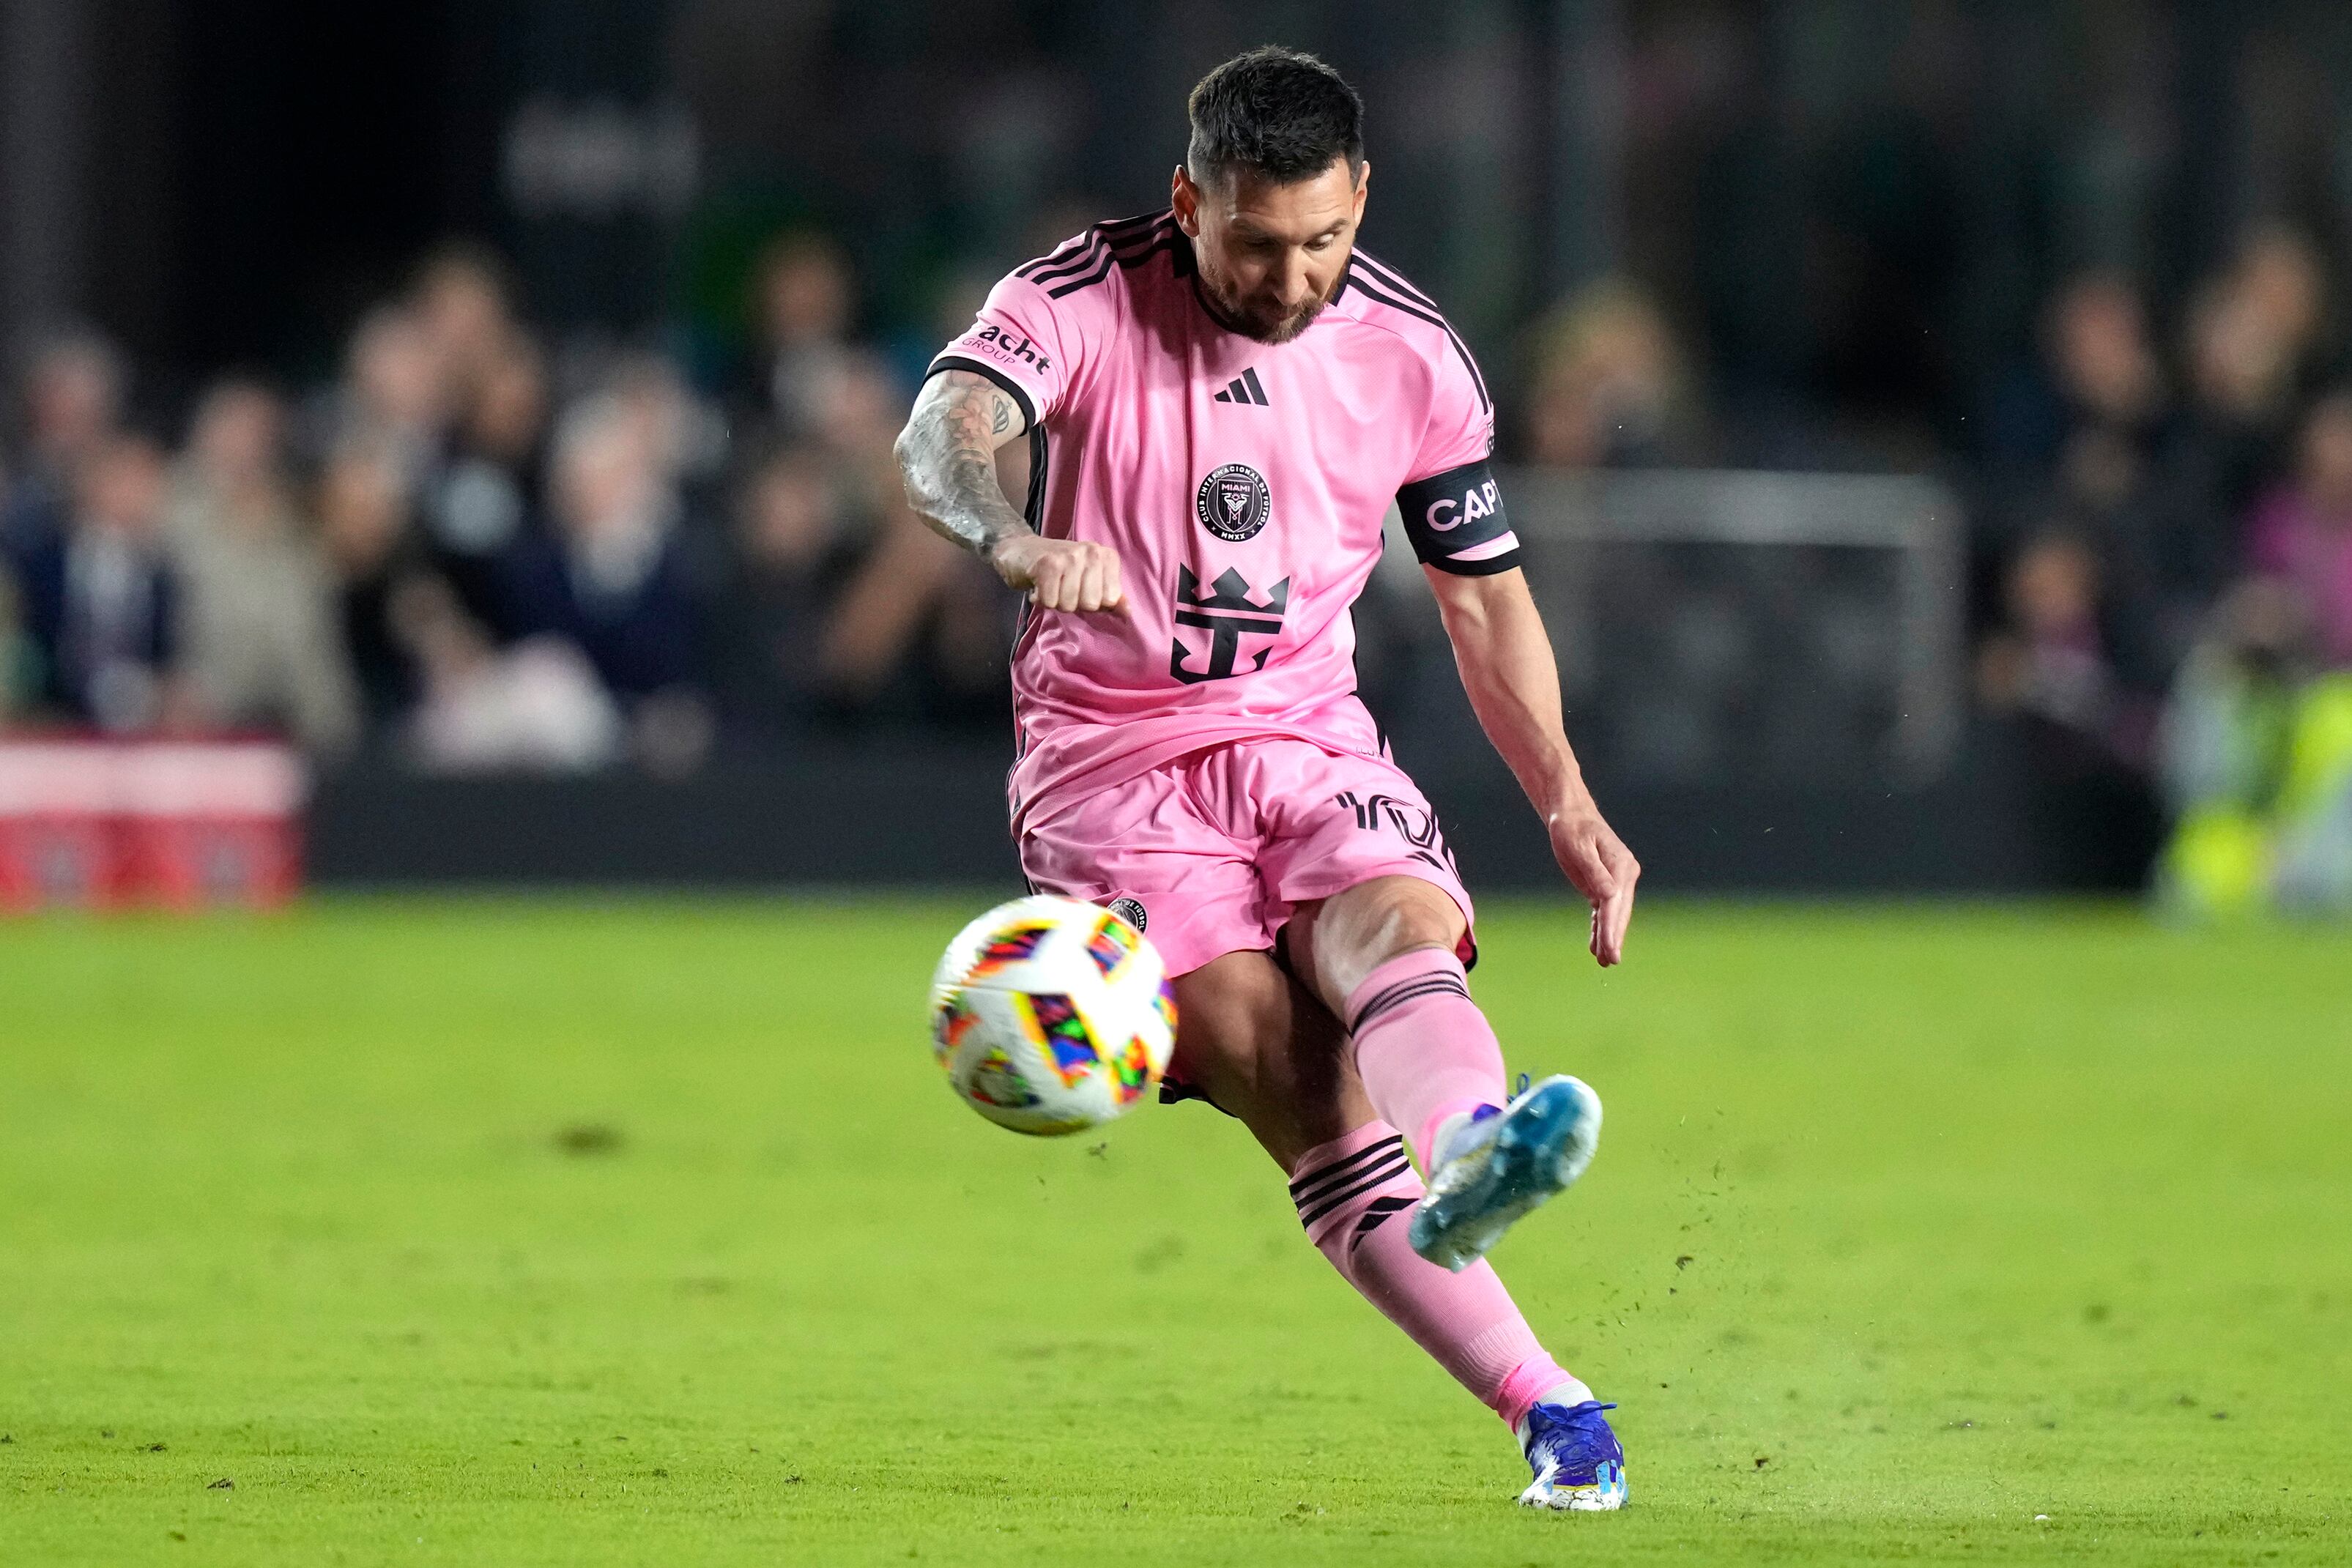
<point>1456,523</point>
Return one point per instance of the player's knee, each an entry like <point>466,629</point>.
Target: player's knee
<point>1399,914</point>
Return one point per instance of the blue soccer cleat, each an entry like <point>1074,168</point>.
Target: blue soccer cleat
<point>1579,1464</point>
<point>1487,1171</point>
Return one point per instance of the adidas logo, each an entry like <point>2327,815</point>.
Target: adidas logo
<point>1245,388</point>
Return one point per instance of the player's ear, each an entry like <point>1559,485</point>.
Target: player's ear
<point>1363,183</point>
<point>1185,197</point>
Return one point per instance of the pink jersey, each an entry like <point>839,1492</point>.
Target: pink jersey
<point>1243,485</point>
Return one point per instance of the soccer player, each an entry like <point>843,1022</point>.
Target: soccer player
<point>1221,401</point>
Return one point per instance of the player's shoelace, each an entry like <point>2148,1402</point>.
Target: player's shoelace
<point>1577,1463</point>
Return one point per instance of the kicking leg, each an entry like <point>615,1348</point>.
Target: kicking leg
<point>1263,1049</point>
<point>1381,954</point>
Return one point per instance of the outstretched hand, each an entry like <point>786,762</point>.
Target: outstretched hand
<point>1597,861</point>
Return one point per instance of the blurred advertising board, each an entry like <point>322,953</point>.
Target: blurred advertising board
<point>176,824</point>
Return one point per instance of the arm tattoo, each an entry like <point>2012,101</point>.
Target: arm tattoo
<point>948,456</point>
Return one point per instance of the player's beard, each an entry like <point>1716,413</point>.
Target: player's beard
<point>1257,322</point>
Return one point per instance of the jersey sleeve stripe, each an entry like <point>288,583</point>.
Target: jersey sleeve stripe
<point>1085,259</point>
<point>1098,269</point>
<point>1361,282</point>
<point>1068,250</point>
<point>983,368</point>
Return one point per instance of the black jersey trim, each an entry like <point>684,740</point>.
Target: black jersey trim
<point>1096,272</point>
<point>1492,565</point>
<point>1068,250</point>
<point>982,367</point>
<point>1079,261</point>
<point>1374,271</point>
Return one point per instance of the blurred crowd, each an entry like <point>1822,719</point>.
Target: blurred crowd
<point>2161,540</point>
<point>475,552</point>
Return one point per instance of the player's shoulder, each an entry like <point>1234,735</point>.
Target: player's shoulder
<point>1099,264</point>
<point>1378,295</point>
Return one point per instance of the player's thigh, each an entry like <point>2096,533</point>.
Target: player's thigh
<point>1256,1045</point>
<point>1355,863</point>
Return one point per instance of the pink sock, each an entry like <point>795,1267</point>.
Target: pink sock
<point>1352,1194</point>
<point>1422,1048</point>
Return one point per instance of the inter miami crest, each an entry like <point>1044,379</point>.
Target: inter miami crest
<point>1234,503</point>
<point>1130,910</point>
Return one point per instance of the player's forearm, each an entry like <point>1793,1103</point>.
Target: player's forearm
<point>1512,680</point>
<point>946,456</point>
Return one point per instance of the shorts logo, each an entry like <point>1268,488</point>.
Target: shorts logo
<point>1227,613</point>
<point>1234,503</point>
<point>1416,825</point>
<point>1128,910</point>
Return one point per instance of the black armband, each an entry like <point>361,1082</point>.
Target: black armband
<point>1456,523</point>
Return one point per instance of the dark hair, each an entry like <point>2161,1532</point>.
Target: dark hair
<point>1277,113</point>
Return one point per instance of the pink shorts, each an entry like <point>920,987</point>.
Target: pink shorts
<point>1212,852</point>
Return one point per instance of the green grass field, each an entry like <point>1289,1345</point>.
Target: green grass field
<point>517,1232</point>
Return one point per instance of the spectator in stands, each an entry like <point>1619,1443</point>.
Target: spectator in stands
<point>2259,754</point>
<point>371,546</point>
<point>462,305</point>
<point>101,601</point>
<point>1609,389</point>
<point>262,647</point>
<point>480,497</point>
<point>2254,337</point>
<point>2050,659</point>
<point>789,556</point>
<point>72,406</point>
<point>918,627</point>
<point>613,577</point>
<point>2300,535</point>
<point>392,389</point>
<point>802,299</point>
<point>536,706</point>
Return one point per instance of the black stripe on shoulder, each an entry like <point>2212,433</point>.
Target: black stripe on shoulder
<point>1127,254</point>
<point>1077,263</point>
<point>1117,227</point>
<point>983,368</point>
<point>1159,246</point>
<point>1364,283</point>
<point>1152,233</point>
<point>1098,268</point>
<point>1068,250</point>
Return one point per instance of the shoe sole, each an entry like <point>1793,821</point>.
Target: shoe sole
<point>1544,1144</point>
<point>1601,1497</point>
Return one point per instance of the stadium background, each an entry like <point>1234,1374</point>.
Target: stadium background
<point>2078,266</point>
<point>1924,421</point>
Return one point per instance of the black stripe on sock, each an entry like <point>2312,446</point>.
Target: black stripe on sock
<point>1380,1175</point>
<point>1306,1186</point>
<point>1406,990</point>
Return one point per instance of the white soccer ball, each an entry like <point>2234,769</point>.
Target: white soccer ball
<point>1051,1016</point>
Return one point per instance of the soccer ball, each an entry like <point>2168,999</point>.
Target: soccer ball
<point>1051,1016</point>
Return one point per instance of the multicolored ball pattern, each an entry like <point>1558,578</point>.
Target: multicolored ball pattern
<point>1050,1015</point>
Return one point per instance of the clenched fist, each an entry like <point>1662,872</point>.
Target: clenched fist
<point>1060,574</point>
